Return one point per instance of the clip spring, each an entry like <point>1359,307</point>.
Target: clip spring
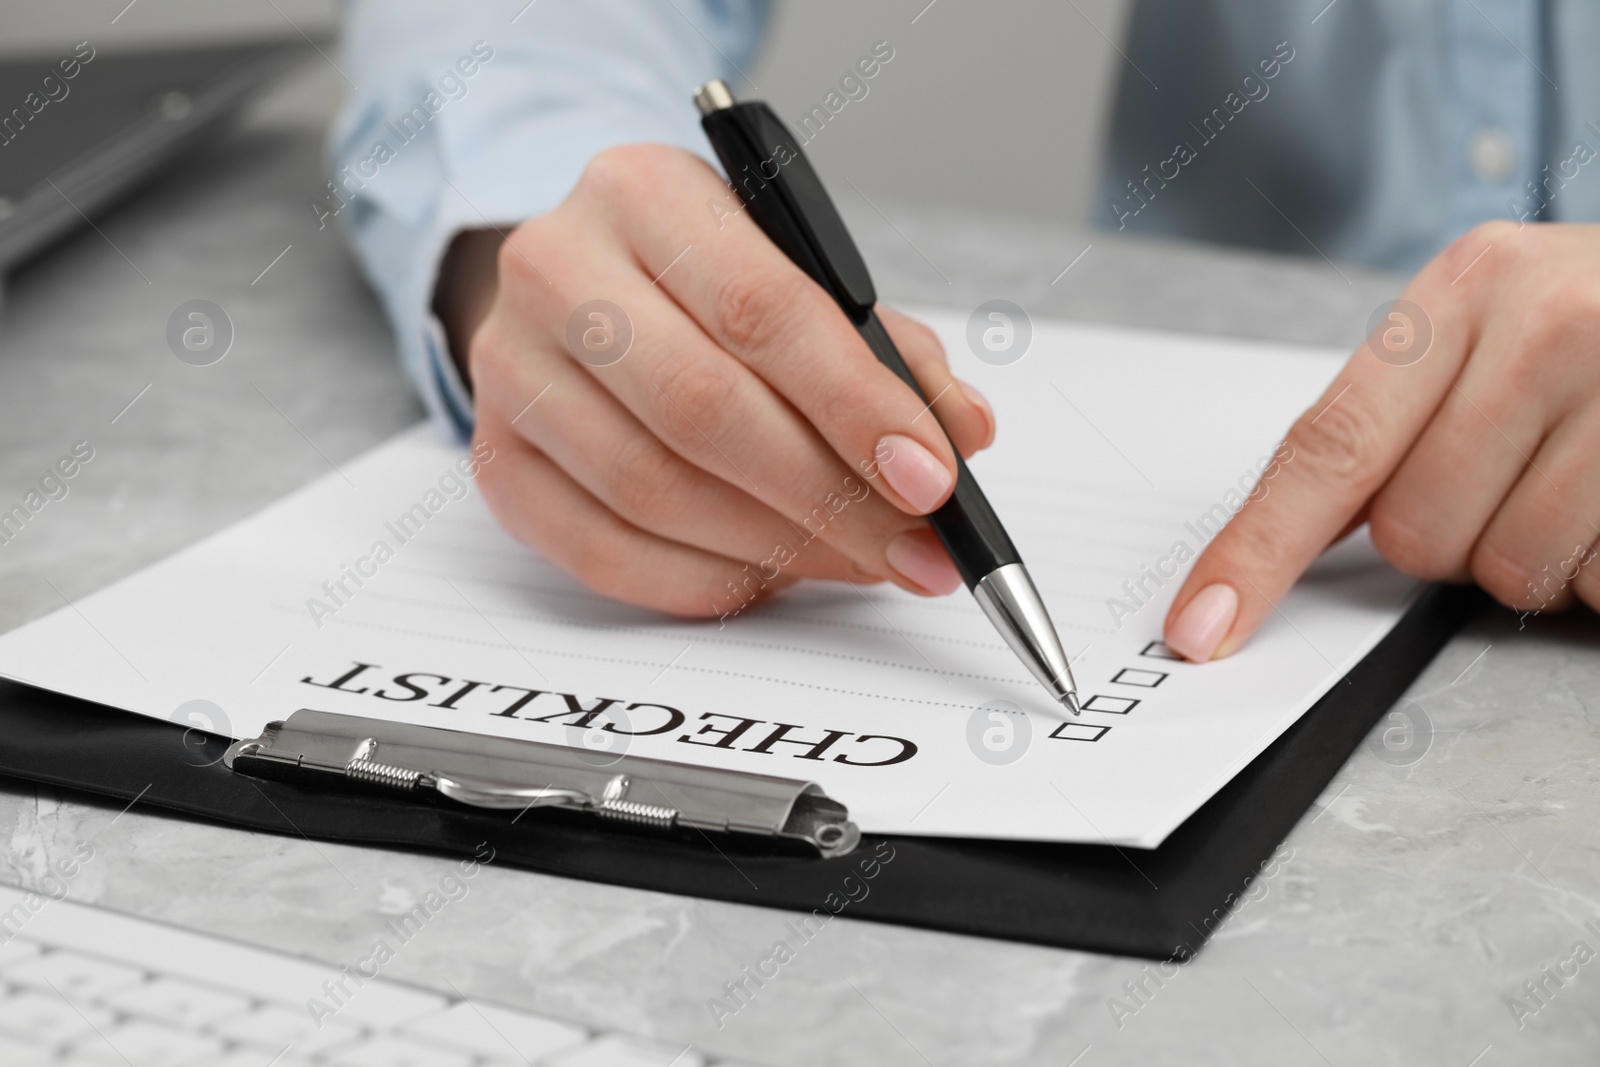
<point>515,775</point>
<point>366,770</point>
<point>635,812</point>
<point>611,805</point>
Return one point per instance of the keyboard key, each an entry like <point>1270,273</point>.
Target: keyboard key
<point>145,1044</point>
<point>176,1002</point>
<point>138,994</point>
<point>384,1005</point>
<point>271,1028</point>
<point>616,1051</point>
<point>77,977</point>
<point>45,1018</point>
<point>398,1052</point>
<point>491,1031</point>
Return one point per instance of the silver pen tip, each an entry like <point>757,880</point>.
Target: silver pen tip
<point>1008,597</point>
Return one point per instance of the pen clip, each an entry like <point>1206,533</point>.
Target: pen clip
<point>776,181</point>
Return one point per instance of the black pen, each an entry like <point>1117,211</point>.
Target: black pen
<point>788,202</point>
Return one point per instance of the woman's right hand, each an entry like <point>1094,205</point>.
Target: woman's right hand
<point>743,438</point>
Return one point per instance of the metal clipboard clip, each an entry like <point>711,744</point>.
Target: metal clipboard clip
<point>495,772</point>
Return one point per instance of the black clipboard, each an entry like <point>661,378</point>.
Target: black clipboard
<point>1160,904</point>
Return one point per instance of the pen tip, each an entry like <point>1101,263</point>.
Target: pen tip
<point>1071,702</point>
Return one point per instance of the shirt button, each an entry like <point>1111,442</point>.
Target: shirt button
<point>1492,155</point>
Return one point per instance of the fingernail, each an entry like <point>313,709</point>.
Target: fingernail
<point>913,472</point>
<point>982,404</point>
<point>923,564</point>
<point>1203,623</point>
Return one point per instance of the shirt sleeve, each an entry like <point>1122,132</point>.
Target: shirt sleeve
<point>469,114</point>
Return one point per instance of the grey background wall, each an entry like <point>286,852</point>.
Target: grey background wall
<point>994,105</point>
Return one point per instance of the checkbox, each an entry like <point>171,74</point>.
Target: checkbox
<point>1134,676</point>
<point>1078,731</point>
<point>1111,705</point>
<point>1159,650</point>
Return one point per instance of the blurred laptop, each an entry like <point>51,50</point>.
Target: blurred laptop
<point>81,129</point>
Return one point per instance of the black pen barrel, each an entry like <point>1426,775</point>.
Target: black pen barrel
<point>966,523</point>
<point>787,200</point>
<point>783,194</point>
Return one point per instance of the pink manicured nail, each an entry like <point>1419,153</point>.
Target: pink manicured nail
<point>1203,623</point>
<point>926,565</point>
<point>982,403</point>
<point>914,472</point>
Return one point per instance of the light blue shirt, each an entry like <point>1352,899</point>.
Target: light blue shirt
<point>1368,131</point>
<point>423,150</point>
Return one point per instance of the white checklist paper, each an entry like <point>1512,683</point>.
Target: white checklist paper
<point>1119,454</point>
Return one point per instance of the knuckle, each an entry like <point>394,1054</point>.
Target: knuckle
<point>612,172</point>
<point>524,247</point>
<point>637,180</point>
<point>1500,234</point>
<point>692,401</point>
<point>1254,539</point>
<point>491,362</point>
<point>1503,577</point>
<point>837,406</point>
<point>1342,442</point>
<point>754,309</point>
<point>1492,232</point>
<point>598,562</point>
<point>1411,551</point>
<point>1518,367</point>
<point>596,567</point>
<point>1536,583</point>
<point>921,341</point>
<point>1587,585</point>
<point>1587,581</point>
<point>645,479</point>
<point>485,361</point>
<point>490,475</point>
<point>1483,248</point>
<point>1564,317</point>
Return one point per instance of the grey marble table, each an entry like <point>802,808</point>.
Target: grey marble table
<point>1410,903</point>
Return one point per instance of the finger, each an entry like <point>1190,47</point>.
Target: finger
<point>1429,516</point>
<point>1343,449</point>
<point>1535,552</point>
<point>578,425</point>
<point>544,508</point>
<point>1358,520</point>
<point>716,413</point>
<point>757,305</point>
<point>965,414</point>
<point>1586,586</point>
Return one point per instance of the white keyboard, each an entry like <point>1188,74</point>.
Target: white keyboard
<point>83,985</point>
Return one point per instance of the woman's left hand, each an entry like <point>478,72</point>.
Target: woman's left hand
<point>1466,432</point>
